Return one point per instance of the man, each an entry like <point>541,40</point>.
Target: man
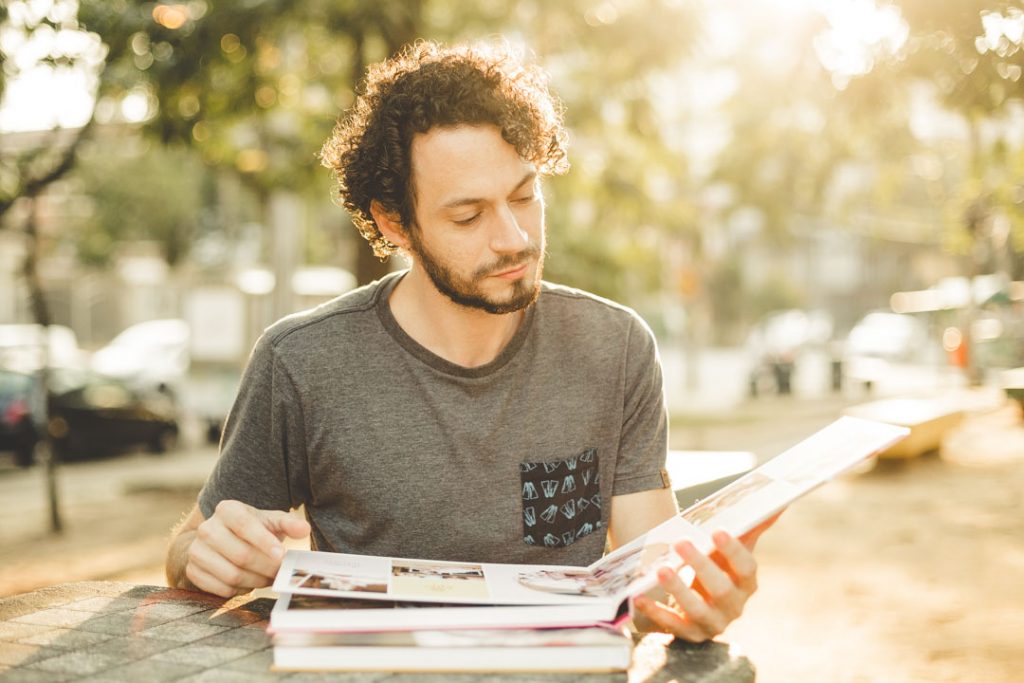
<point>463,409</point>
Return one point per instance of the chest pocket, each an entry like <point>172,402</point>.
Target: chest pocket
<point>561,499</point>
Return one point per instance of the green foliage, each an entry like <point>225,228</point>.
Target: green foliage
<point>963,51</point>
<point>140,191</point>
<point>254,86</point>
<point>778,293</point>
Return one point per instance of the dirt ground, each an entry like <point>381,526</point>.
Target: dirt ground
<point>909,573</point>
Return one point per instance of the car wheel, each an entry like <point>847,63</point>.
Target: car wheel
<point>165,440</point>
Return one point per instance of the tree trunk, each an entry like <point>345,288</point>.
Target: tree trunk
<point>41,313</point>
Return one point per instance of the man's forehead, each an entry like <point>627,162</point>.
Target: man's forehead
<point>460,164</point>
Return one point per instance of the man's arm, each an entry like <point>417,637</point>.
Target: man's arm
<point>723,583</point>
<point>237,549</point>
<point>634,514</point>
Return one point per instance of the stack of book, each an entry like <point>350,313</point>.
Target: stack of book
<point>363,613</point>
<point>315,633</point>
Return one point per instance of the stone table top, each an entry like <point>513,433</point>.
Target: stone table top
<point>108,631</point>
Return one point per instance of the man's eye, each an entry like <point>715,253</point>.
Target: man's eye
<point>525,200</point>
<point>466,221</point>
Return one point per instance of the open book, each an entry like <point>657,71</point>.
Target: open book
<point>560,595</point>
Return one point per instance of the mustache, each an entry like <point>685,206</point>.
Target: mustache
<point>508,261</point>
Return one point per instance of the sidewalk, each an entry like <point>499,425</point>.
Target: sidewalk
<point>117,514</point>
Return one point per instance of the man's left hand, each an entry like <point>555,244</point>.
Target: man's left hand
<point>724,581</point>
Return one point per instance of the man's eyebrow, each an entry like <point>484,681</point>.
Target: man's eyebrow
<point>466,201</point>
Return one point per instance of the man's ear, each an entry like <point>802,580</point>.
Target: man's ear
<point>389,225</point>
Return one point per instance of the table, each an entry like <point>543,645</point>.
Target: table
<point>928,419</point>
<point>109,631</point>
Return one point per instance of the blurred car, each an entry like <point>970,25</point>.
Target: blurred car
<point>89,415</point>
<point>882,339</point>
<point>150,355</point>
<point>21,347</point>
<point>17,433</point>
<point>776,342</point>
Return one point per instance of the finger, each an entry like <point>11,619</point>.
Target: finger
<point>669,621</point>
<point>718,586</point>
<point>738,561</point>
<point>708,618</point>
<point>222,541</point>
<point>204,581</point>
<point>218,567</point>
<point>246,523</point>
<point>285,524</point>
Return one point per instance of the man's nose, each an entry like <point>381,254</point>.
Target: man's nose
<point>508,235</point>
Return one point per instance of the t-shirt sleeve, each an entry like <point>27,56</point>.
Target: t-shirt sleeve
<point>263,452</point>
<point>640,465</point>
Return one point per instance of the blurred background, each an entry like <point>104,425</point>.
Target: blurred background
<point>817,205</point>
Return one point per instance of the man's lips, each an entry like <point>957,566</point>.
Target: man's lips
<point>513,273</point>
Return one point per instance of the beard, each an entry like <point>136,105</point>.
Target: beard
<point>467,291</point>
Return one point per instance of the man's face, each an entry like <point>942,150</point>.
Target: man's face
<point>479,232</point>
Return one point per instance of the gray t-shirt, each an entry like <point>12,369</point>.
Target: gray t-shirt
<point>395,451</point>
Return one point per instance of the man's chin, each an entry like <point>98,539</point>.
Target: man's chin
<point>521,296</point>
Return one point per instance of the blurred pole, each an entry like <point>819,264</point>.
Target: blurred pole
<point>40,409</point>
<point>287,224</point>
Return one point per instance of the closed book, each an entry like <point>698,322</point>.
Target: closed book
<point>296,613</point>
<point>593,649</point>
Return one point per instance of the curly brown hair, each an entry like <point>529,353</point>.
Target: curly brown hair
<point>424,86</point>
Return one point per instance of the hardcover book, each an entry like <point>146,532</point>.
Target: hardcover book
<point>523,650</point>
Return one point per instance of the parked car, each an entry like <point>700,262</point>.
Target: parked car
<point>21,347</point>
<point>150,355</point>
<point>882,339</point>
<point>17,433</point>
<point>776,342</point>
<point>89,415</point>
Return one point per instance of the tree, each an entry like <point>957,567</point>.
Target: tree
<point>971,53</point>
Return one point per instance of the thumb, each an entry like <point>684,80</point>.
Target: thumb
<point>284,524</point>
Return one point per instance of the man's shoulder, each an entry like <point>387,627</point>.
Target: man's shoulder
<point>579,304</point>
<point>349,309</point>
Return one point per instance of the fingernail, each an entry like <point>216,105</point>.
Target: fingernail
<point>720,537</point>
<point>665,574</point>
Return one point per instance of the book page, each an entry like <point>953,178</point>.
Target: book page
<point>306,572</point>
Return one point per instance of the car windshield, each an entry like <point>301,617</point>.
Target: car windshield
<point>14,383</point>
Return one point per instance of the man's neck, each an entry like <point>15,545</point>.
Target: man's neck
<point>461,335</point>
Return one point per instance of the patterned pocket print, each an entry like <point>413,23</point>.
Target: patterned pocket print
<point>561,499</point>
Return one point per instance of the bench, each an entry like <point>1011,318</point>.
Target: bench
<point>1013,385</point>
<point>698,474</point>
<point>927,419</point>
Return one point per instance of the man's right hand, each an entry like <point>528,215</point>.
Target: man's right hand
<point>238,548</point>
